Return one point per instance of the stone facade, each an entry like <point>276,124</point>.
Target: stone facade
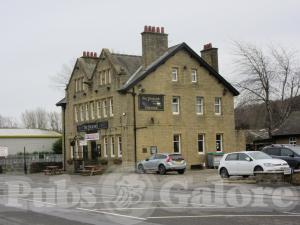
<point>106,95</point>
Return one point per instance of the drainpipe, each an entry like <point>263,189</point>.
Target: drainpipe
<point>134,127</point>
<point>64,136</point>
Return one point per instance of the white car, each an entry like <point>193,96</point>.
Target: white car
<point>247,163</point>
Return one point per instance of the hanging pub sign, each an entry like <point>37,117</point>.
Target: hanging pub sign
<point>151,102</point>
<point>88,127</point>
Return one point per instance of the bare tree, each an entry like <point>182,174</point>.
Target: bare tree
<point>7,122</point>
<point>55,121</point>
<point>61,79</point>
<point>266,77</point>
<point>28,119</point>
<point>41,118</point>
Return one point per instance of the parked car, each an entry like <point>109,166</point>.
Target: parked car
<point>247,163</point>
<point>162,163</point>
<point>288,153</point>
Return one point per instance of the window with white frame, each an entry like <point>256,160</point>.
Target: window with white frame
<point>111,107</point>
<point>99,109</point>
<point>199,105</point>
<point>174,74</point>
<point>219,142</point>
<point>119,146</point>
<point>92,110</point>
<point>75,114</point>
<point>112,146</point>
<point>105,76</point>
<point>105,146</point>
<point>87,111</point>
<point>101,78</point>
<point>218,106</point>
<point>292,140</point>
<point>104,106</point>
<point>82,84</point>
<point>194,76</point>
<point>82,113</point>
<point>76,85</point>
<point>201,144</point>
<point>109,76</point>
<point>176,143</point>
<point>176,105</point>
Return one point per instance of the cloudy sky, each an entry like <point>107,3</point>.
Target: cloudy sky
<point>38,37</point>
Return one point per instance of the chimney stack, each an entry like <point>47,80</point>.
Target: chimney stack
<point>210,55</point>
<point>154,43</point>
<point>87,54</point>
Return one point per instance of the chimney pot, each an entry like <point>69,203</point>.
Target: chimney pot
<point>95,54</point>
<point>153,29</point>
<point>84,53</point>
<point>207,46</point>
<point>162,29</point>
<point>145,28</point>
<point>157,30</point>
<point>88,54</point>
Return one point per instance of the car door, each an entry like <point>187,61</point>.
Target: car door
<point>273,152</point>
<point>231,163</point>
<point>288,156</point>
<point>245,166</point>
<point>148,163</point>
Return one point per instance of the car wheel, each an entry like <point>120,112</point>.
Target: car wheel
<point>224,173</point>
<point>181,171</point>
<point>245,176</point>
<point>141,168</point>
<point>162,170</point>
<point>258,169</point>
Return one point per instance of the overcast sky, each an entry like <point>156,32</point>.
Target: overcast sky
<point>38,37</point>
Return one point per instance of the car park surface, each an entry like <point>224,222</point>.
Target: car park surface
<point>145,199</point>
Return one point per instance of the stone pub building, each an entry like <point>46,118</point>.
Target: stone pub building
<point>128,107</point>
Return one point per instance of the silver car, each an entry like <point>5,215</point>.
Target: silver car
<point>162,163</point>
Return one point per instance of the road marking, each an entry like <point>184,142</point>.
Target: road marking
<point>293,213</point>
<point>207,216</point>
<point>111,214</point>
<point>162,207</point>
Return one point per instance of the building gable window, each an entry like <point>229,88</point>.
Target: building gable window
<point>174,74</point>
<point>194,76</point>
<point>292,140</point>
<point>201,144</point>
<point>199,105</point>
<point>98,109</point>
<point>219,142</point>
<point>176,143</point>
<point>92,110</point>
<point>104,106</point>
<point>87,111</point>
<point>82,113</point>
<point>218,106</point>
<point>111,107</point>
<point>176,105</point>
<point>109,76</point>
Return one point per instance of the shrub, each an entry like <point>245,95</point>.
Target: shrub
<point>104,161</point>
<point>117,161</point>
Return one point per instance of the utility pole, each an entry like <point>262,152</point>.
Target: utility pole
<point>134,127</point>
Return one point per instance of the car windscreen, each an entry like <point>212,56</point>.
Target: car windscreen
<point>296,149</point>
<point>259,155</point>
<point>176,157</point>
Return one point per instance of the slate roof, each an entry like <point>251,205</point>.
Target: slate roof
<point>62,102</point>
<point>130,63</point>
<point>290,127</point>
<point>87,65</point>
<point>142,73</point>
<point>28,133</point>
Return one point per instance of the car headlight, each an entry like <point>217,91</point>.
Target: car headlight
<point>268,164</point>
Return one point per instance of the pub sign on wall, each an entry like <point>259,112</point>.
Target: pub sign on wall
<point>151,102</point>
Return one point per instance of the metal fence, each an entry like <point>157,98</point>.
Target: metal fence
<point>16,162</point>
